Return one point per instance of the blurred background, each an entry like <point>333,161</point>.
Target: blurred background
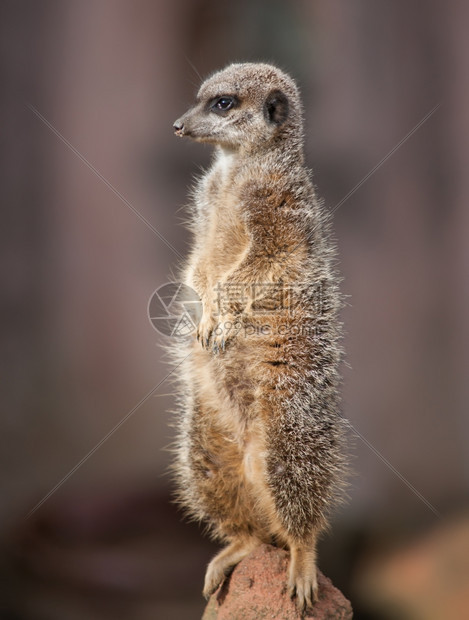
<point>93,186</point>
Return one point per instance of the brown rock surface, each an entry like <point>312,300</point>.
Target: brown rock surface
<point>256,590</point>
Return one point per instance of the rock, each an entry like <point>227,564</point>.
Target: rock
<point>256,590</point>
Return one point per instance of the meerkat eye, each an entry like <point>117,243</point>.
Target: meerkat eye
<point>223,104</point>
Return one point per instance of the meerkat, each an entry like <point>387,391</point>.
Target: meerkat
<point>260,454</point>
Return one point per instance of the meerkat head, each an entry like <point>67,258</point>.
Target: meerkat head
<point>248,106</point>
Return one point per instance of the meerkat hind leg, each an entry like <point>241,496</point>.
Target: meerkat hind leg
<point>302,576</point>
<point>225,561</point>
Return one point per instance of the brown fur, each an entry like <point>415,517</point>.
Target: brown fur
<point>260,452</point>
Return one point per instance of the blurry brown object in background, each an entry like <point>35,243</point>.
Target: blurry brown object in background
<point>426,580</point>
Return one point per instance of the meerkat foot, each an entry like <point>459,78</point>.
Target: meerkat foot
<point>302,579</point>
<point>223,563</point>
<point>305,589</point>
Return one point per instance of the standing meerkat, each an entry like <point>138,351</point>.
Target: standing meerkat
<point>260,450</point>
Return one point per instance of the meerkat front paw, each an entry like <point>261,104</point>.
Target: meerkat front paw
<point>214,333</point>
<point>226,328</point>
<point>205,329</point>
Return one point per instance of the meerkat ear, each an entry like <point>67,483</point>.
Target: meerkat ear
<point>276,107</point>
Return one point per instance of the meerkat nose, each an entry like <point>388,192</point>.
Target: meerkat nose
<point>178,127</point>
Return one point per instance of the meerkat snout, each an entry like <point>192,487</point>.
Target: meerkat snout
<point>178,127</point>
<point>208,120</point>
